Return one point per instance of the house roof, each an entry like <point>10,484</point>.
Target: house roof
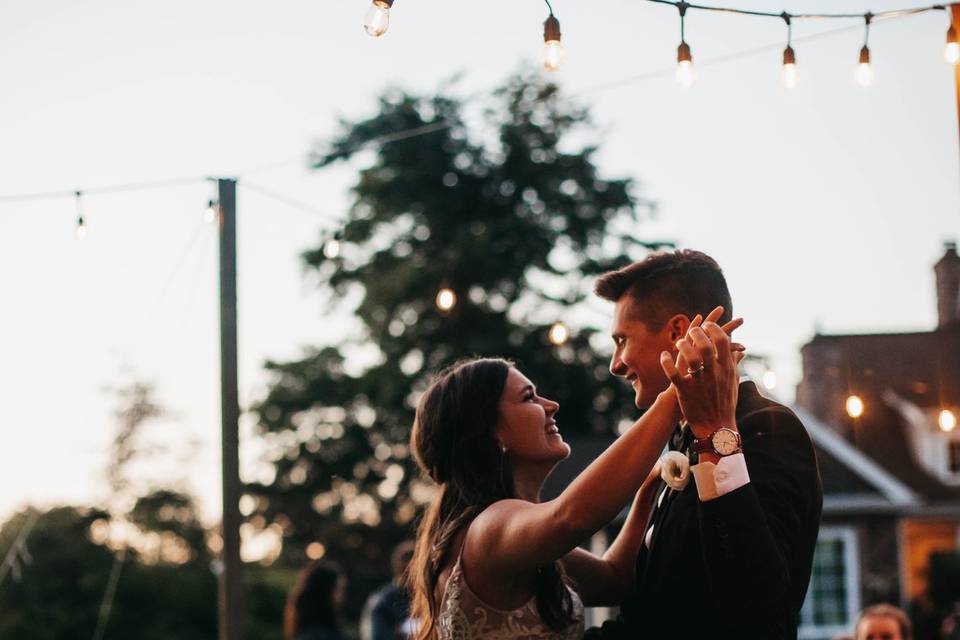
<point>919,370</point>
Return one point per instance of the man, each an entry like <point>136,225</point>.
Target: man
<point>884,622</point>
<point>386,614</point>
<point>730,555</point>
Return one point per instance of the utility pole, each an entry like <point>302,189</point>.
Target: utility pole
<point>231,579</point>
<point>955,21</point>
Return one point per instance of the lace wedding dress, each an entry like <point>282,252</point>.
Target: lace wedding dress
<point>464,616</point>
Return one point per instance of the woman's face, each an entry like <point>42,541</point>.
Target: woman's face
<point>526,427</point>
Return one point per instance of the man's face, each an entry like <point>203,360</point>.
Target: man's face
<point>636,355</point>
<point>878,628</point>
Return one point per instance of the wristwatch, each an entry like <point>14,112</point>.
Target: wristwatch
<point>723,442</point>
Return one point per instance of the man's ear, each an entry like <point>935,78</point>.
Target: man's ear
<point>677,326</point>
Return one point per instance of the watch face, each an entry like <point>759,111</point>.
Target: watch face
<point>725,442</point>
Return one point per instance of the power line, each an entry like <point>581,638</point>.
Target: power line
<point>282,199</point>
<point>114,188</point>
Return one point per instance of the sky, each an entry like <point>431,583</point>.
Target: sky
<point>826,205</point>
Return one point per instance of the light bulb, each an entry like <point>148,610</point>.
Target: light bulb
<point>789,68</point>
<point>377,20</point>
<point>81,228</point>
<point>947,420</point>
<point>552,50</point>
<point>769,379</point>
<point>951,51</point>
<point>864,73</point>
<point>552,55</point>
<point>331,249</point>
<point>685,75</point>
<point>854,406</point>
<point>790,76</point>
<point>559,333</point>
<point>446,299</point>
<point>210,213</point>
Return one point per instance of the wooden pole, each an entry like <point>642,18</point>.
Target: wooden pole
<point>231,579</point>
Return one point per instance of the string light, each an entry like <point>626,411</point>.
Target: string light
<point>331,248</point>
<point>854,406</point>
<point>789,57</point>
<point>685,76</point>
<point>559,333</point>
<point>553,50</point>
<point>210,213</point>
<point>377,20</point>
<point>947,420</point>
<point>81,224</point>
<point>446,299</point>
<point>769,379</point>
<point>951,51</point>
<point>864,74</point>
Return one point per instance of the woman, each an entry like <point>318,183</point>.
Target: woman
<point>490,556</point>
<point>313,604</point>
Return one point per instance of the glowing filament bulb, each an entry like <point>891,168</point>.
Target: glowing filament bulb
<point>951,51</point>
<point>331,249</point>
<point>789,68</point>
<point>685,75</point>
<point>210,213</point>
<point>552,50</point>
<point>769,379</point>
<point>864,73</point>
<point>947,420</point>
<point>854,406</point>
<point>559,333</point>
<point>377,20</point>
<point>446,299</point>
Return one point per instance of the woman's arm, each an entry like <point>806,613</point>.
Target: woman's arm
<point>606,581</point>
<point>516,536</point>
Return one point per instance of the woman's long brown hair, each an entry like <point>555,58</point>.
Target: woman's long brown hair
<point>455,445</point>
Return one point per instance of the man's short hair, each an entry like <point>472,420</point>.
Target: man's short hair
<point>667,283</point>
<point>887,611</point>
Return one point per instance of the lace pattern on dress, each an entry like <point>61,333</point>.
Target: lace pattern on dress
<point>464,616</point>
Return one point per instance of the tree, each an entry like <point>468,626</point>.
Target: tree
<point>516,220</point>
<point>61,584</point>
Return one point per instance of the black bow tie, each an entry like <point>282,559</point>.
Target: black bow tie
<point>681,439</point>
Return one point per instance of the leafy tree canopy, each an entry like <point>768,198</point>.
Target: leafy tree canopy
<point>512,214</point>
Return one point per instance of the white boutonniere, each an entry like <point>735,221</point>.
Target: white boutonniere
<point>675,470</point>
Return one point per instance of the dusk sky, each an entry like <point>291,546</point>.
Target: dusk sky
<point>827,205</point>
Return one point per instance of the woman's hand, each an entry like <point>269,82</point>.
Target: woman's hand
<point>705,374</point>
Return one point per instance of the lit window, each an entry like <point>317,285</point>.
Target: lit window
<point>833,597</point>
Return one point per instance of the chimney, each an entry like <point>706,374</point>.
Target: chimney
<point>947,270</point>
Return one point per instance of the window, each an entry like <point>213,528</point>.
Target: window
<point>833,598</point>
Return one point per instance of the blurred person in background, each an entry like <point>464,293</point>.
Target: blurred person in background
<point>883,622</point>
<point>313,606</point>
<point>386,614</point>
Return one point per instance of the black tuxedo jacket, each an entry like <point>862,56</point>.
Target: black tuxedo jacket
<point>736,566</point>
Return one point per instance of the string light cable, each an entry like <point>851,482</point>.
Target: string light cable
<point>405,134</point>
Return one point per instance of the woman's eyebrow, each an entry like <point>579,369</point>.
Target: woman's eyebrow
<point>528,387</point>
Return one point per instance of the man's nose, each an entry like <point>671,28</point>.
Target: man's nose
<point>617,367</point>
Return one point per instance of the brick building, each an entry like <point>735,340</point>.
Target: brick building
<point>882,409</point>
